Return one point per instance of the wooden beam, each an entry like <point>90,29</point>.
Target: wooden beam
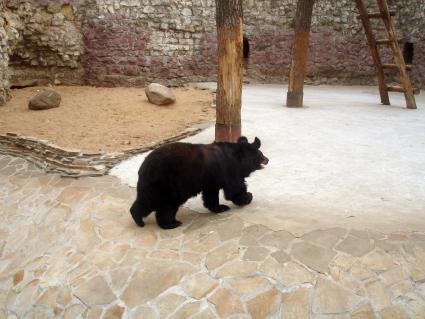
<point>230,71</point>
<point>398,57</point>
<point>385,99</point>
<point>299,53</point>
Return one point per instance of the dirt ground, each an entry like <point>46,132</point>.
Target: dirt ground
<point>105,119</point>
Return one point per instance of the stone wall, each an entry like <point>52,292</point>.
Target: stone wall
<point>151,40</point>
<point>75,163</point>
<point>50,43</point>
<point>4,59</point>
<point>133,42</point>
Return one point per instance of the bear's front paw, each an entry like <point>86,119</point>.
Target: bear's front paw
<point>172,225</point>
<point>242,199</point>
<point>140,223</point>
<point>220,209</point>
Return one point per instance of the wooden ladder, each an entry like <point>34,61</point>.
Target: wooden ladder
<point>399,64</point>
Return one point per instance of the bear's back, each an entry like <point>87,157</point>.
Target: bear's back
<point>189,163</point>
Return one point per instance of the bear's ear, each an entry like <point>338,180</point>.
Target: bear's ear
<point>257,143</point>
<point>242,139</point>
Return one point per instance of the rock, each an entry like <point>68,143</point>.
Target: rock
<point>76,311</point>
<point>294,274</point>
<point>264,305</point>
<point>167,305</point>
<point>248,285</point>
<point>230,229</point>
<point>393,276</point>
<point>296,304</point>
<point>280,256</point>
<point>238,268</point>
<point>343,262</point>
<point>22,83</point>
<point>361,272</point>
<point>355,246</point>
<point>45,100</point>
<point>314,257</point>
<point>186,310</point>
<point>146,285</point>
<point>95,313</point>
<point>205,314</point>
<point>394,312</point>
<point>289,274</point>
<point>363,312</point>
<point>332,298</point>
<point>142,312</point>
<point>119,277</point>
<point>248,240</point>
<point>378,260</point>
<point>159,94</point>
<point>279,239</point>
<point>199,285</point>
<point>326,238</point>
<point>4,96</point>
<point>378,295</point>
<point>401,289</point>
<point>255,253</point>
<point>226,303</point>
<point>95,292</point>
<point>256,231</point>
<point>221,255</point>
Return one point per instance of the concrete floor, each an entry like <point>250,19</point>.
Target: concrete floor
<point>343,160</point>
<point>70,249</point>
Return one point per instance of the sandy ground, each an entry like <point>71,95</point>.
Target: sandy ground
<point>105,119</point>
<point>342,160</point>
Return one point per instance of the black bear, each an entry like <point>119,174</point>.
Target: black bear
<point>175,172</point>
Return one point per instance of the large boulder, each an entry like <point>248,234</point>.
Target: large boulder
<point>159,94</point>
<point>44,100</point>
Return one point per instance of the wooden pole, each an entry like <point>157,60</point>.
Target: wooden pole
<point>230,70</point>
<point>299,53</point>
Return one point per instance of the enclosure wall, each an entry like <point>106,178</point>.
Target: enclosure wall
<point>133,42</point>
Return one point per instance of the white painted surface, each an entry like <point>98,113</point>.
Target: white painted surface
<point>342,159</point>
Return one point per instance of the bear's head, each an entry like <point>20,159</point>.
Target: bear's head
<point>250,156</point>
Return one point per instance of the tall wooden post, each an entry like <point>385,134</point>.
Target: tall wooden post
<point>230,71</point>
<point>299,53</point>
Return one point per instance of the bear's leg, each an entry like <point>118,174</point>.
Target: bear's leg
<point>211,201</point>
<point>137,213</point>
<point>242,199</point>
<point>237,193</point>
<point>166,217</point>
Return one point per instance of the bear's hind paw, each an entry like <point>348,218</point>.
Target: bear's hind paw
<point>220,209</point>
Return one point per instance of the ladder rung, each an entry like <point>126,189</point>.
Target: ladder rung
<point>375,15</point>
<point>400,89</point>
<point>386,41</point>
<point>395,66</point>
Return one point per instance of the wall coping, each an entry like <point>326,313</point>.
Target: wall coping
<point>73,162</point>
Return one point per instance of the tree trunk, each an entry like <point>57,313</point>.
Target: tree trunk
<point>230,71</point>
<point>299,53</point>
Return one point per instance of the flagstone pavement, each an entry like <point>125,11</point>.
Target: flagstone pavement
<point>69,249</point>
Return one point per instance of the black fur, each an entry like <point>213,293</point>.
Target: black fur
<point>173,173</point>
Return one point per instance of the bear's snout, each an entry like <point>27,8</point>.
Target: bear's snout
<point>264,161</point>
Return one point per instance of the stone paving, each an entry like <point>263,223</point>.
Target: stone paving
<point>69,249</point>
